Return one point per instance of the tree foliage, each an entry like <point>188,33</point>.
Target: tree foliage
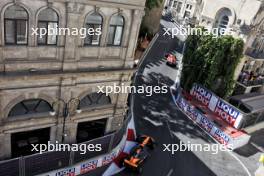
<point>211,62</point>
<point>150,4</point>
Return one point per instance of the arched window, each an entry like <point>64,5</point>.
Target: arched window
<point>16,25</point>
<point>223,19</point>
<point>115,32</point>
<point>93,24</point>
<point>48,19</point>
<point>30,107</point>
<point>223,23</point>
<point>95,99</point>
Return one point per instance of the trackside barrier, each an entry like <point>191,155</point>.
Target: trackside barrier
<point>88,165</point>
<point>50,161</point>
<point>94,163</point>
<point>208,125</point>
<point>230,114</point>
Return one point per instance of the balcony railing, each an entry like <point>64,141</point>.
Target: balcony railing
<point>254,53</point>
<point>249,83</point>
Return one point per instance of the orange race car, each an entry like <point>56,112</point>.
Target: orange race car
<point>139,153</point>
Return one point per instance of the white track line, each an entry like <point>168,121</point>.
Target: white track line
<point>170,172</point>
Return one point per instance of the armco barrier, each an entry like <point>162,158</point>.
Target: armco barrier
<point>48,161</point>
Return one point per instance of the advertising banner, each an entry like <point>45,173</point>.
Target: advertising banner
<point>222,109</point>
<point>89,166</point>
<point>206,124</point>
<point>203,121</point>
<point>201,94</point>
<point>66,172</point>
<point>109,158</point>
<point>227,112</point>
<point>220,136</point>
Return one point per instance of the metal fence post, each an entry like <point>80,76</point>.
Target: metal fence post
<point>71,160</point>
<point>111,142</point>
<point>22,166</point>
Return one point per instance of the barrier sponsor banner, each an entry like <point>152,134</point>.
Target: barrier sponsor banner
<point>66,172</point>
<point>206,124</point>
<point>86,167</point>
<point>220,136</point>
<point>109,158</point>
<point>222,109</point>
<point>227,112</point>
<point>201,94</point>
<point>203,121</point>
<point>192,112</point>
<point>89,166</point>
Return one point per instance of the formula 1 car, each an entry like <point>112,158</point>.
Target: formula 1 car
<point>139,153</point>
<point>171,60</point>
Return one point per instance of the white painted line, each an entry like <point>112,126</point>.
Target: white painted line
<point>258,147</point>
<point>170,172</point>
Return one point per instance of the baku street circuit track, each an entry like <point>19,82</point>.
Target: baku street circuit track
<point>158,116</point>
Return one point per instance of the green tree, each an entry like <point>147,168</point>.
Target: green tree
<point>150,4</point>
<point>151,21</point>
<point>211,62</point>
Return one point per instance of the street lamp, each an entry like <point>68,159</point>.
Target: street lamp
<point>66,111</point>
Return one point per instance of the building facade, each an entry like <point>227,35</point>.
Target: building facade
<point>182,9</point>
<point>251,77</point>
<point>61,73</point>
<point>231,16</point>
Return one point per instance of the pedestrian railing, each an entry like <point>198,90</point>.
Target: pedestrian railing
<point>257,82</point>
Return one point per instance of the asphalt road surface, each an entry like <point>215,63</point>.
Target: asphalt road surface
<point>158,117</point>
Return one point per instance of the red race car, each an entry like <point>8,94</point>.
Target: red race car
<point>171,60</point>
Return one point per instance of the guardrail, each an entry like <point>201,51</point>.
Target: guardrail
<point>48,161</point>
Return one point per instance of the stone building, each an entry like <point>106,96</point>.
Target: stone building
<point>61,73</point>
<point>233,16</point>
<point>182,9</point>
<point>251,78</point>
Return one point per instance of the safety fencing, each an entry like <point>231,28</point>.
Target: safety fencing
<point>48,161</point>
